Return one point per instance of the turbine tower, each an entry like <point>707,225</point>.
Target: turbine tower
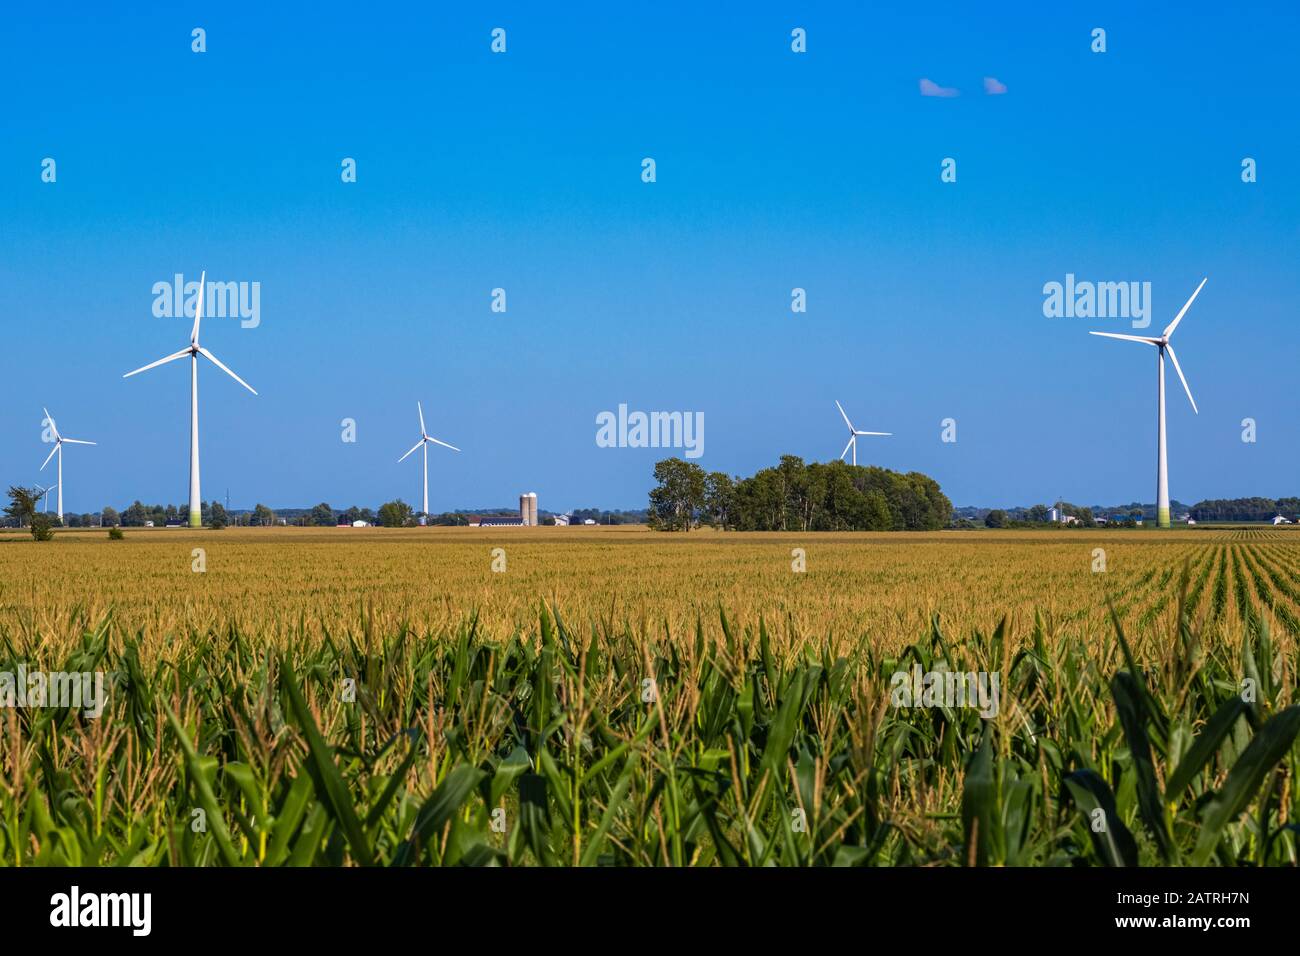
<point>59,441</point>
<point>194,350</point>
<point>853,435</point>
<point>1162,346</point>
<point>425,438</point>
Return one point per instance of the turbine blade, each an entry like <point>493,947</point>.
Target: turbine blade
<point>50,418</point>
<point>1177,368</point>
<point>846,447</point>
<point>77,441</point>
<point>1127,338</point>
<point>49,456</point>
<point>873,433</point>
<point>198,310</point>
<point>408,454</point>
<point>1183,311</point>
<point>442,443</point>
<point>420,409</point>
<point>217,362</point>
<point>162,361</point>
<point>843,416</point>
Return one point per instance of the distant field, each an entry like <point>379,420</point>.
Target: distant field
<point>882,588</point>
<point>355,696</point>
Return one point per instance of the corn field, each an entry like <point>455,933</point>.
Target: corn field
<point>618,698</point>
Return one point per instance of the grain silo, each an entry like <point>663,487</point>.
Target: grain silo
<point>523,508</point>
<point>532,509</point>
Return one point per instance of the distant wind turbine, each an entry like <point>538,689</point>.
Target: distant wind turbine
<point>194,350</point>
<point>45,496</point>
<point>1162,346</point>
<point>59,442</point>
<point>853,435</point>
<point>425,438</point>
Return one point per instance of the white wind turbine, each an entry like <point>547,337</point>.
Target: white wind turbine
<point>59,441</point>
<point>194,350</point>
<point>45,496</point>
<point>1162,346</point>
<point>425,438</point>
<point>853,435</point>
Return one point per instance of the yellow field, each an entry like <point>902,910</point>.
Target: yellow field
<point>372,750</point>
<point>882,588</point>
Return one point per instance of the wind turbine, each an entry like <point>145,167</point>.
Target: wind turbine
<point>45,496</point>
<point>58,450</point>
<point>1162,346</point>
<point>425,438</point>
<point>194,350</point>
<point>853,435</point>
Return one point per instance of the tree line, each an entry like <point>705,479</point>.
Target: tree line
<point>27,509</point>
<point>1246,509</point>
<point>796,496</point>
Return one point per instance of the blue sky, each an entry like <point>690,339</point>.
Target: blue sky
<point>522,171</point>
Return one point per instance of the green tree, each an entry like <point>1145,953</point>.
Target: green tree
<point>678,496</point>
<point>877,514</point>
<point>322,515</point>
<point>109,517</point>
<point>719,499</point>
<point>217,517</point>
<point>1038,513</point>
<point>997,518</point>
<point>22,505</point>
<point>134,516</point>
<point>395,514</point>
<point>263,516</point>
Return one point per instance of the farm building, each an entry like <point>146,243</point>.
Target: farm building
<point>496,521</point>
<point>527,516</point>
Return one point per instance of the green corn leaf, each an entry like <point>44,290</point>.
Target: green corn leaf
<point>1270,744</point>
<point>332,790</point>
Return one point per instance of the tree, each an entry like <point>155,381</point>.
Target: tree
<point>262,515</point>
<point>217,517</point>
<point>395,514</point>
<point>322,515</point>
<point>134,516</point>
<point>22,505</point>
<point>1038,513</point>
<point>997,518</point>
<point>109,517</point>
<point>878,515</point>
<point>793,495</point>
<point>679,496</point>
<point>719,499</point>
